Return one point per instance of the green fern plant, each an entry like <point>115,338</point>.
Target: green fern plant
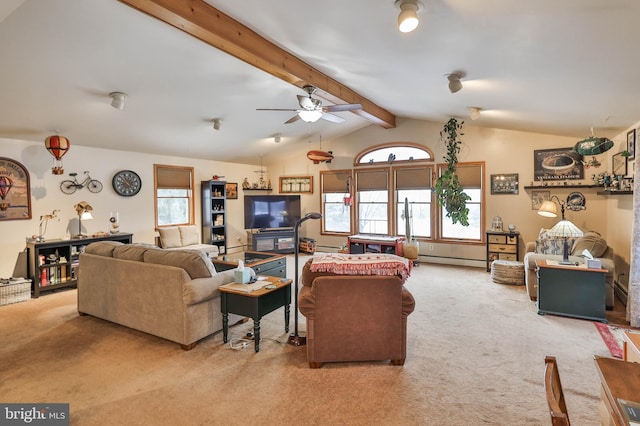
<point>450,193</point>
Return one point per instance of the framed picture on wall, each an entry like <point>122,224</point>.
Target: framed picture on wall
<point>539,197</point>
<point>231,191</point>
<point>296,184</point>
<point>557,164</point>
<point>631,143</point>
<point>619,164</point>
<point>15,190</point>
<point>504,183</point>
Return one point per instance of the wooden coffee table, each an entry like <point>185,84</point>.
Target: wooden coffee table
<point>255,304</point>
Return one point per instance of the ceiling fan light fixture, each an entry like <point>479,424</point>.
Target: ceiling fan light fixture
<point>310,116</point>
<point>408,17</point>
<point>454,82</point>
<point>117,100</point>
<point>474,113</point>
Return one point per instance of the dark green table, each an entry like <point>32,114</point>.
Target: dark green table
<point>571,291</point>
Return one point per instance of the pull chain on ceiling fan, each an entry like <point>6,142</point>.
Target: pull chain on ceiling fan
<point>311,109</point>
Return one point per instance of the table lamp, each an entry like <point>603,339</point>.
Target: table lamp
<point>563,229</point>
<point>84,213</point>
<point>295,339</point>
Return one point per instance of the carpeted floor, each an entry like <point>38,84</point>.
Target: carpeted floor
<point>475,356</point>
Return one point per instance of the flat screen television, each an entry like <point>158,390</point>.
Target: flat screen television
<point>271,211</point>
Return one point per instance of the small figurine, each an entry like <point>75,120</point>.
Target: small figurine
<point>246,184</point>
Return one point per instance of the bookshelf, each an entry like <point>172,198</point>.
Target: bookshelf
<point>53,264</point>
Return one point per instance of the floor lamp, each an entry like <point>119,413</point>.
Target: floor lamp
<point>295,339</point>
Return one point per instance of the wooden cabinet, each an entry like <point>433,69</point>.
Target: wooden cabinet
<point>274,265</point>
<point>276,241</point>
<point>53,264</point>
<point>359,244</point>
<point>502,246</point>
<point>214,214</point>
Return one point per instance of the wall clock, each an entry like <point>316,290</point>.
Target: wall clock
<point>126,183</point>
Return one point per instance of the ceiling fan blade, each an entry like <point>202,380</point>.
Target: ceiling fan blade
<point>332,118</point>
<point>343,107</point>
<point>293,119</point>
<point>275,109</point>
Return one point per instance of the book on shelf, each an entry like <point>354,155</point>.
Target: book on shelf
<point>631,411</point>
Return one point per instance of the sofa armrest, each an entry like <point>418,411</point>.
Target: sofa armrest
<point>530,247</point>
<point>201,289</point>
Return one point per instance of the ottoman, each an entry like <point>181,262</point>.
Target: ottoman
<point>507,272</point>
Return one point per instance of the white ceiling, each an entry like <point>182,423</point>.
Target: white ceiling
<point>549,66</point>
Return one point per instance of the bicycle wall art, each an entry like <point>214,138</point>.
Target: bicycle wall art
<point>69,186</point>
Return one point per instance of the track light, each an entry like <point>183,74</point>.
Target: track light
<point>474,113</point>
<point>408,17</point>
<point>217,122</point>
<point>454,82</point>
<point>117,100</point>
<point>277,137</point>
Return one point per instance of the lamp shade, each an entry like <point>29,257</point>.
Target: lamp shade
<point>548,209</point>
<point>310,116</point>
<point>565,229</point>
<point>86,216</point>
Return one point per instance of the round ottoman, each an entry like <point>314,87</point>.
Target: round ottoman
<point>507,272</point>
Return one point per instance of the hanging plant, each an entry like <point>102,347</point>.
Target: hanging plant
<point>450,193</point>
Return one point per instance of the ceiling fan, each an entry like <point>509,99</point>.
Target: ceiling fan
<point>311,109</point>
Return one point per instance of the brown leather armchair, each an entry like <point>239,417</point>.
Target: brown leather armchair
<point>354,317</point>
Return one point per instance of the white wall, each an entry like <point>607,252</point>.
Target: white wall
<point>136,213</point>
<point>503,151</point>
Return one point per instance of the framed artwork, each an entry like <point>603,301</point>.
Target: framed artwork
<point>296,184</point>
<point>557,164</point>
<point>504,183</point>
<point>539,197</point>
<point>631,143</point>
<point>619,164</point>
<point>15,190</point>
<point>231,191</point>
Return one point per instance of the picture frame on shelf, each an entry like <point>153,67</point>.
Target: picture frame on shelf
<point>505,183</point>
<point>631,143</point>
<point>539,197</point>
<point>296,184</point>
<point>619,164</point>
<point>15,190</point>
<point>231,191</point>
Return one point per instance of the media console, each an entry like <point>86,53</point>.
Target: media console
<point>359,244</point>
<point>274,241</point>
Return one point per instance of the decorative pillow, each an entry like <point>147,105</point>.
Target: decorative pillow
<point>170,237</point>
<point>103,248</point>
<point>546,244</point>
<point>189,235</point>
<point>194,262</point>
<point>132,251</point>
<point>591,241</point>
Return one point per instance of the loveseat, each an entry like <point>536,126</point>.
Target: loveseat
<point>353,317</point>
<point>184,237</point>
<point>548,248</point>
<point>171,294</point>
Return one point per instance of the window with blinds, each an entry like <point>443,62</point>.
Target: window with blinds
<point>372,195</point>
<point>174,195</point>
<point>335,186</point>
<point>471,176</point>
<point>414,185</point>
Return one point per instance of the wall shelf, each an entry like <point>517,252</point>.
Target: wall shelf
<point>614,192</point>
<point>562,186</point>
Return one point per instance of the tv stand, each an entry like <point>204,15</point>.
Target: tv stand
<point>272,240</point>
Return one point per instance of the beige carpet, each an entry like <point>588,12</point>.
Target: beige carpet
<point>475,356</point>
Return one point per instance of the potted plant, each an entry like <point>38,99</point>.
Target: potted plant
<point>450,193</point>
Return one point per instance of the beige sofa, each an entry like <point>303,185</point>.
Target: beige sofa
<point>545,248</point>
<point>172,294</point>
<point>184,237</point>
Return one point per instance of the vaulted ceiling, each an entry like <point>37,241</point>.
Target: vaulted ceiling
<point>540,66</point>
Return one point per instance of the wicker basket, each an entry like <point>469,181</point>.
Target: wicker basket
<point>14,291</point>
<point>507,272</point>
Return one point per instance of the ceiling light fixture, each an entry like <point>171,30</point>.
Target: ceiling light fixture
<point>217,122</point>
<point>454,82</point>
<point>474,113</point>
<point>277,137</point>
<point>310,116</point>
<point>408,17</point>
<point>118,99</point>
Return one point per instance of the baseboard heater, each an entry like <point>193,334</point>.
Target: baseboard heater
<point>620,291</point>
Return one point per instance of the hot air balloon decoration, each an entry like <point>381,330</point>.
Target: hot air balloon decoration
<point>5,186</point>
<point>58,147</point>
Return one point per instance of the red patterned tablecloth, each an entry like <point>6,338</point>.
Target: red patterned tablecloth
<point>362,264</point>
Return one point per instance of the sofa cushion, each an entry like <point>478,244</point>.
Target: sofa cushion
<point>189,235</point>
<point>546,244</point>
<point>131,251</point>
<point>170,237</point>
<point>194,262</point>
<point>103,248</point>
<point>591,241</point>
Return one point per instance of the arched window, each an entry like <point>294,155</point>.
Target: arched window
<point>393,153</point>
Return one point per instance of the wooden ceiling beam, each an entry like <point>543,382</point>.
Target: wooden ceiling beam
<point>203,21</point>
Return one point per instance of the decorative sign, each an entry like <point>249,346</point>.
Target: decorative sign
<point>557,164</point>
<point>299,184</point>
<point>15,190</point>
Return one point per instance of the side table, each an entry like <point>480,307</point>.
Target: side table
<point>572,291</point>
<point>255,304</point>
